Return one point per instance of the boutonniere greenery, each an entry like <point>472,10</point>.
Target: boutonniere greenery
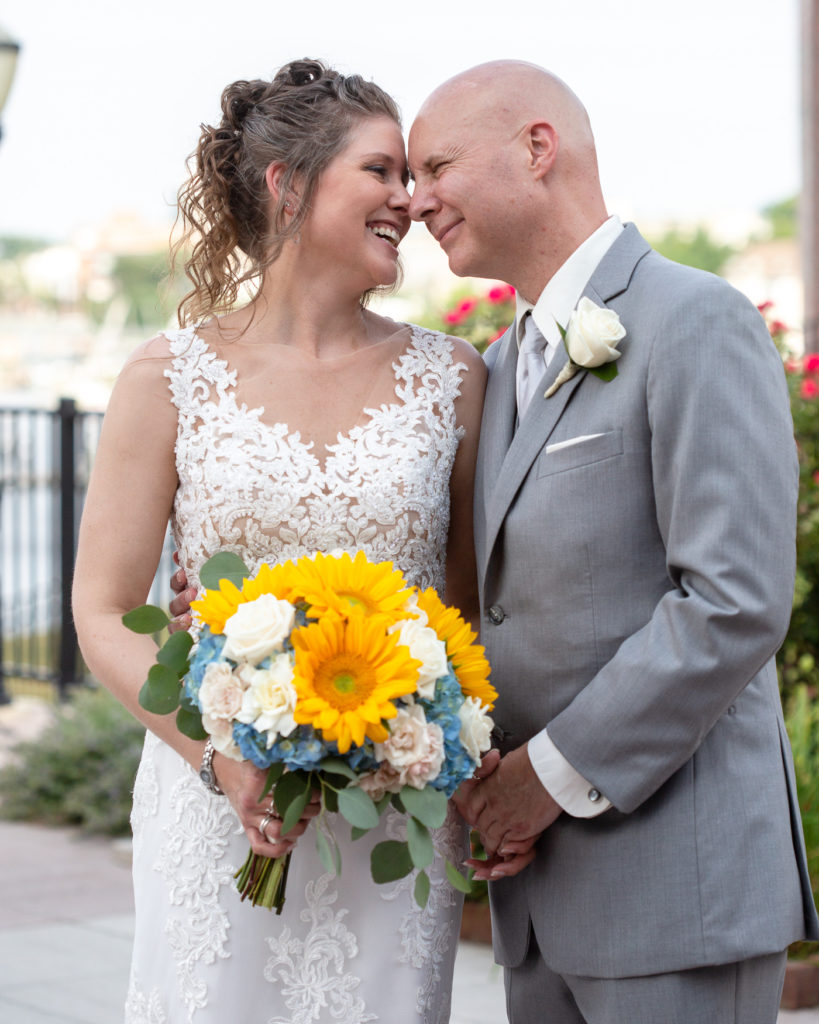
<point>591,338</point>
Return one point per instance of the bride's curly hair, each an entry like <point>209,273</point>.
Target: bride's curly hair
<point>301,119</point>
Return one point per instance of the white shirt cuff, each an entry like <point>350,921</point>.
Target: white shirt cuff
<point>576,795</point>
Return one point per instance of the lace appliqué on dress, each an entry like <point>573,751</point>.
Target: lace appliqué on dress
<point>146,791</point>
<point>257,489</point>
<point>192,863</point>
<point>311,971</point>
<point>425,937</point>
<point>142,1007</point>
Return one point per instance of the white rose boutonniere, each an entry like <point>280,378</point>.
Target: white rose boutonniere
<point>590,337</point>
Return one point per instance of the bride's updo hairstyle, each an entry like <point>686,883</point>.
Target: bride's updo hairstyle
<point>302,119</point>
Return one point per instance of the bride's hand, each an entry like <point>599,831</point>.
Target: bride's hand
<point>490,761</point>
<point>243,783</point>
<point>180,606</point>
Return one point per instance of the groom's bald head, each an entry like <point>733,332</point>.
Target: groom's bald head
<point>504,161</point>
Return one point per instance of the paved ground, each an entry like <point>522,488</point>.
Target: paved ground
<point>65,933</point>
<point>66,920</point>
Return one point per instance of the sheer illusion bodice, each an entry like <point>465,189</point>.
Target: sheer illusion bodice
<point>274,481</point>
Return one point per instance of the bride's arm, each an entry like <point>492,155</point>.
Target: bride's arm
<point>123,526</point>
<point>461,575</point>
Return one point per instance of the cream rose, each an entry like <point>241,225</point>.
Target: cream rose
<point>270,699</point>
<point>258,628</point>
<point>385,780</point>
<point>476,728</point>
<point>415,748</point>
<point>425,647</point>
<point>221,732</point>
<point>592,334</point>
<point>221,692</point>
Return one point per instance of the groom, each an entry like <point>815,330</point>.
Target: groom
<point>635,543</point>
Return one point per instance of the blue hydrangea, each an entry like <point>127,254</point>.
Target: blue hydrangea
<point>443,710</point>
<point>209,650</point>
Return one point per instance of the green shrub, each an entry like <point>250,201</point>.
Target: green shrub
<point>802,721</point>
<point>480,319</point>
<point>80,770</point>
<point>799,658</point>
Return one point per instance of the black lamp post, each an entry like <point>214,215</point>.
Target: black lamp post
<point>9,50</point>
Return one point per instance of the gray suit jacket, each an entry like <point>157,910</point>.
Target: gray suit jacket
<point>634,590</point>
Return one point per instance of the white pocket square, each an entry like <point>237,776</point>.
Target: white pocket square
<point>571,441</point>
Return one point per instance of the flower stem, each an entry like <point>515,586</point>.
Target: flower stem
<point>263,880</point>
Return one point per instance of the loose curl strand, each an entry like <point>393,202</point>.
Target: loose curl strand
<point>301,119</point>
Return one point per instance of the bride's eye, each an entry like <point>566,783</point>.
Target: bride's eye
<point>378,169</point>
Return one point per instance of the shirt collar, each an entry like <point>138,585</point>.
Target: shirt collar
<point>563,291</point>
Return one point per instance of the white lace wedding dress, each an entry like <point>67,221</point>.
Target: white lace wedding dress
<point>344,950</point>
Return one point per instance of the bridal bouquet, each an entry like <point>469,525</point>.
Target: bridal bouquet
<point>342,681</point>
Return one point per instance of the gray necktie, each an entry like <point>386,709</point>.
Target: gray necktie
<point>531,365</point>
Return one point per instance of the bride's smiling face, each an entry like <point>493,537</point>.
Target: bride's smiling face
<point>359,212</point>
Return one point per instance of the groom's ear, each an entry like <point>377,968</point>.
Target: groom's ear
<point>543,143</point>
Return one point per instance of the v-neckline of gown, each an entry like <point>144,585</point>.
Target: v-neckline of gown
<point>349,437</point>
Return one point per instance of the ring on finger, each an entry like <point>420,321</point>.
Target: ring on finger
<point>268,817</point>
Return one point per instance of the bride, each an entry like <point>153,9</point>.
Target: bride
<point>298,422</point>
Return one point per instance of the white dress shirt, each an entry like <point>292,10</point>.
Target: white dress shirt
<point>556,302</point>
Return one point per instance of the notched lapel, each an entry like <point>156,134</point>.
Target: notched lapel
<point>500,411</point>
<point>533,433</point>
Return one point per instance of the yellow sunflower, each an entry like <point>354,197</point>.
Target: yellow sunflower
<point>339,584</point>
<point>347,676</point>
<point>468,660</point>
<point>215,607</point>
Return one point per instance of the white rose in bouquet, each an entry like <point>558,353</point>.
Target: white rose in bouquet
<point>258,628</point>
<point>476,728</point>
<point>425,647</point>
<point>270,699</point>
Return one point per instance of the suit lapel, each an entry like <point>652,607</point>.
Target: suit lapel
<point>532,434</point>
<point>506,455</point>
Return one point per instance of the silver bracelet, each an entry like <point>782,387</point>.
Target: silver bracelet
<point>206,772</point>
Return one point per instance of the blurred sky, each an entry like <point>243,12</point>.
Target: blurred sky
<point>695,105</point>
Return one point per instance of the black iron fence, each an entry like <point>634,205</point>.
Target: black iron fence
<point>45,461</point>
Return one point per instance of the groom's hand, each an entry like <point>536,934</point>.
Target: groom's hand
<point>510,807</point>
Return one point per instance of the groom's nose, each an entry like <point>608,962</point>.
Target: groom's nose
<point>422,202</point>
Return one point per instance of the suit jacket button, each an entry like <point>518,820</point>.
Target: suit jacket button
<point>594,795</point>
<point>496,614</point>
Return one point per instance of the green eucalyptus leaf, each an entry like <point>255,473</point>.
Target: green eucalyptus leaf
<point>382,804</point>
<point>328,852</point>
<point>291,786</point>
<point>174,652</point>
<point>335,766</point>
<point>390,861</point>
<point>294,810</point>
<point>330,797</point>
<point>189,723</point>
<point>160,693</point>
<point>223,566</point>
<point>357,808</point>
<point>422,889</point>
<point>427,805</point>
<point>357,833</point>
<point>395,800</point>
<point>457,880</point>
<point>145,619</point>
<point>420,843</point>
<point>274,773</point>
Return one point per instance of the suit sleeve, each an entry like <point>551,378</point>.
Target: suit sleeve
<point>725,480</point>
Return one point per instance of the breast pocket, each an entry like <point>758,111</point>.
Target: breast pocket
<point>562,456</point>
